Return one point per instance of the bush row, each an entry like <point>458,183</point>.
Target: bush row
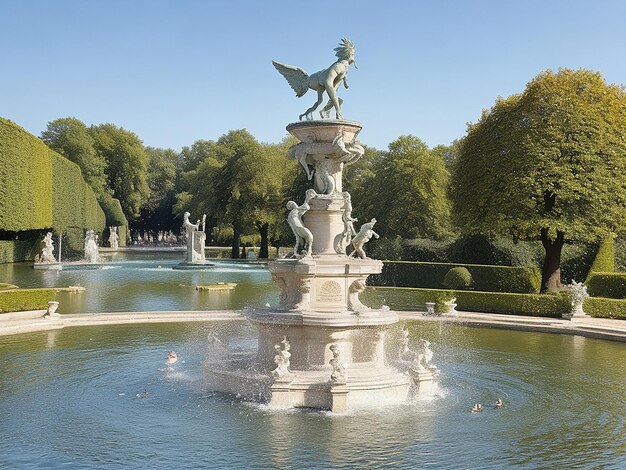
<point>18,300</point>
<point>610,285</point>
<point>544,305</point>
<point>519,279</point>
<point>13,251</point>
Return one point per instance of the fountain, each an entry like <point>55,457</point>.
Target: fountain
<point>196,238</point>
<point>333,353</point>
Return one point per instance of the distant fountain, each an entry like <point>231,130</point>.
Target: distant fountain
<point>47,253</point>
<point>331,333</point>
<point>91,247</point>
<point>196,239</point>
<point>114,238</point>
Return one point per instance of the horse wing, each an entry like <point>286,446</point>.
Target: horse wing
<point>295,76</point>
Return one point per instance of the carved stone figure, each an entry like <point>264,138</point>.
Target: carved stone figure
<point>365,235</point>
<point>91,247</point>
<point>348,225</point>
<point>327,80</point>
<point>47,253</point>
<point>355,289</point>
<point>304,289</point>
<point>190,230</point>
<point>328,159</point>
<point>425,357</point>
<point>282,360</point>
<point>578,294</point>
<point>113,238</point>
<point>339,371</point>
<point>304,237</point>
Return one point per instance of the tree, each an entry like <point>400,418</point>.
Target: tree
<point>547,164</point>
<point>156,212</point>
<point>70,137</point>
<point>406,191</point>
<point>126,165</point>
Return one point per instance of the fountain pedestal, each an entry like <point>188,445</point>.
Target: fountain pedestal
<point>333,353</point>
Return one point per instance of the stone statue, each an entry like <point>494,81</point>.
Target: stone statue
<point>113,238</point>
<point>327,80</point>
<point>47,253</point>
<point>578,294</point>
<point>282,359</point>
<point>304,237</point>
<point>425,357</point>
<point>328,159</point>
<point>365,234</point>
<point>355,289</point>
<point>348,225</point>
<point>339,371</point>
<point>190,230</point>
<point>91,247</point>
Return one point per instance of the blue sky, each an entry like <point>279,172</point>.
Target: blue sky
<point>177,71</point>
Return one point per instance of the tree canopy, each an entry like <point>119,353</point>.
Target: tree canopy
<point>549,164</point>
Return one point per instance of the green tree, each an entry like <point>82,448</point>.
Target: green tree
<point>406,191</point>
<point>547,164</point>
<point>156,212</point>
<point>70,137</point>
<point>126,165</point>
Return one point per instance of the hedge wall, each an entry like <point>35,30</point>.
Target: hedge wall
<point>610,285</point>
<point>114,217</point>
<point>18,300</point>
<point>13,251</point>
<point>544,305</point>
<point>604,261</point>
<point>25,180</point>
<point>41,190</point>
<point>517,279</point>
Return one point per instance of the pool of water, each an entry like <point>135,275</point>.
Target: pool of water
<point>68,399</point>
<point>140,281</point>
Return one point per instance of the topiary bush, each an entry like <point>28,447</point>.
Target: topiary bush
<point>610,285</point>
<point>458,278</point>
<point>604,261</point>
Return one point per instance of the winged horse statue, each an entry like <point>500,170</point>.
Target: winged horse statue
<point>325,80</point>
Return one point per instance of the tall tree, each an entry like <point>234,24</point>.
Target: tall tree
<point>70,137</point>
<point>156,212</point>
<point>406,191</point>
<point>547,164</point>
<point>126,165</point>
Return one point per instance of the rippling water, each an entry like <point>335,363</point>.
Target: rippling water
<point>68,399</point>
<point>139,281</point>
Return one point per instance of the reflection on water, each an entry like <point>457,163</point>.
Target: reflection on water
<point>67,398</point>
<point>146,282</point>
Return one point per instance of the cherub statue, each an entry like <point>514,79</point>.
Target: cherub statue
<point>325,80</point>
<point>365,234</point>
<point>339,371</point>
<point>47,254</point>
<point>304,237</point>
<point>282,359</point>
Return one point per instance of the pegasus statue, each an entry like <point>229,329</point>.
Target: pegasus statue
<point>325,80</point>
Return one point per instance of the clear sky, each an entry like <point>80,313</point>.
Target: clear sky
<point>177,71</point>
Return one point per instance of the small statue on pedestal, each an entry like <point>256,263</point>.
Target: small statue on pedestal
<point>282,360</point>
<point>304,237</point>
<point>339,371</point>
<point>365,235</point>
<point>47,254</point>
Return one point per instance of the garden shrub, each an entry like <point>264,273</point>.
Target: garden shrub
<point>619,247</point>
<point>458,278</point>
<point>604,261</point>
<point>520,279</point>
<point>610,285</point>
<point>576,261</point>
<point>605,308</point>
<point>18,300</point>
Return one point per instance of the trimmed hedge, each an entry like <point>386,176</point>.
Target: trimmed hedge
<point>604,262</point>
<point>516,279</point>
<point>114,218</point>
<point>25,180</point>
<point>41,190</point>
<point>610,285</point>
<point>605,308</point>
<point>458,278</point>
<point>13,251</point>
<point>18,300</point>
<point>543,305</point>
